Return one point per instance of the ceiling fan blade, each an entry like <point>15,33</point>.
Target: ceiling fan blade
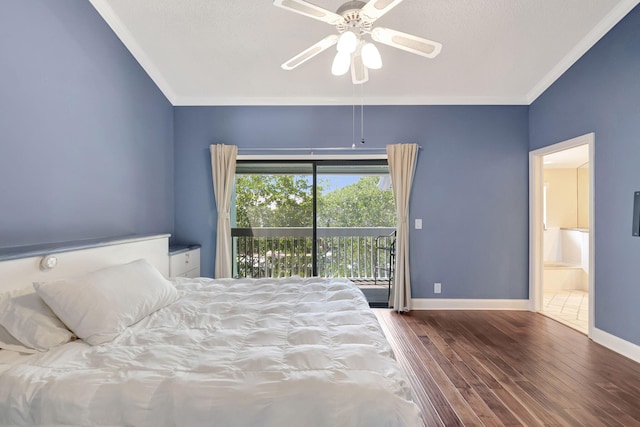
<point>310,52</point>
<point>311,10</point>
<point>374,9</point>
<point>408,42</point>
<point>359,73</point>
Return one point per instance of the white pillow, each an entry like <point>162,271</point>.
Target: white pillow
<point>30,322</point>
<point>99,306</point>
<point>8,342</point>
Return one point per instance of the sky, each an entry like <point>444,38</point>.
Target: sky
<point>336,182</point>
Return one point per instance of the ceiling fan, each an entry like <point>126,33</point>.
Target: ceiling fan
<point>353,20</point>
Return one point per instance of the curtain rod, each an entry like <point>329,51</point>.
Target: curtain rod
<point>382,149</point>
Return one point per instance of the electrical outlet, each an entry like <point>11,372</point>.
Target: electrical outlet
<point>437,288</point>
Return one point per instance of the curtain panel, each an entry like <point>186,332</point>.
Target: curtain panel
<point>223,168</point>
<point>402,164</point>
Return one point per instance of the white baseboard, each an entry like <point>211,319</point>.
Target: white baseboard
<point>612,342</point>
<point>469,304</point>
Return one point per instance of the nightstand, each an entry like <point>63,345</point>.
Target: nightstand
<point>184,261</point>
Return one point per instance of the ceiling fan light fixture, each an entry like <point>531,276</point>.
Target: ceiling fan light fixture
<point>341,64</point>
<point>347,42</point>
<point>359,72</point>
<point>371,56</point>
<point>353,21</point>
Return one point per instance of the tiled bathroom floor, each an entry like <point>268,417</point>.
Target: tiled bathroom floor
<point>568,307</point>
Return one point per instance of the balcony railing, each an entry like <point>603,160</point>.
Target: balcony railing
<point>286,251</point>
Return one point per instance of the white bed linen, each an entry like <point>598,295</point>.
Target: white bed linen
<point>8,358</point>
<point>265,352</point>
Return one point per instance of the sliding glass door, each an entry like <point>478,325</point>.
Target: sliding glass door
<point>310,218</point>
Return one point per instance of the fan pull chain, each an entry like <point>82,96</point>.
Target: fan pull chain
<point>353,117</point>
<point>362,114</point>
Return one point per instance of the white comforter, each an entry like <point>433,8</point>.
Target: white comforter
<point>300,352</point>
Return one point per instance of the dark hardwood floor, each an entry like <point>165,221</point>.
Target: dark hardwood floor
<point>495,368</point>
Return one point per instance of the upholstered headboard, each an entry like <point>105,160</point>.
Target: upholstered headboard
<point>20,268</point>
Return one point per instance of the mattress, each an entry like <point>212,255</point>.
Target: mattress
<point>267,352</point>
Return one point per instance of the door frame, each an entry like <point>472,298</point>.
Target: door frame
<point>536,227</point>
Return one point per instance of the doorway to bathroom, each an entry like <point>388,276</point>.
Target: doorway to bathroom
<point>561,227</point>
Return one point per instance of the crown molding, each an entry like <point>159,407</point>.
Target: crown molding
<point>117,26</point>
<point>272,101</point>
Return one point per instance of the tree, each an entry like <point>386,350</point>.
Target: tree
<point>287,201</point>
<point>264,200</point>
<point>273,201</point>
<point>361,204</point>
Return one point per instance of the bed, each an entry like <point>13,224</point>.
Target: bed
<point>251,352</point>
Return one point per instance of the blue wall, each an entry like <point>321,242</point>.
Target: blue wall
<point>86,137</point>
<point>87,150</point>
<point>601,94</point>
<point>470,188</point>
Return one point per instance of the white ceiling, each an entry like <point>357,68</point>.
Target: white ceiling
<point>229,52</point>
